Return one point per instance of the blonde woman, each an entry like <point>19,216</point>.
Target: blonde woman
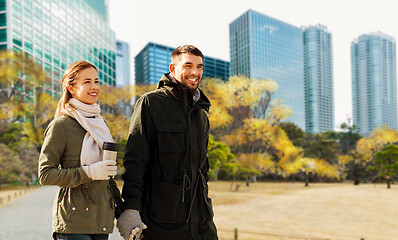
<point>71,158</point>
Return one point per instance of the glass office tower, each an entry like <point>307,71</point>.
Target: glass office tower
<point>154,59</point>
<point>122,64</point>
<point>57,33</point>
<point>318,78</point>
<point>374,82</point>
<point>262,47</point>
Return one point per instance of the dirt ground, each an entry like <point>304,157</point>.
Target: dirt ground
<point>291,211</point>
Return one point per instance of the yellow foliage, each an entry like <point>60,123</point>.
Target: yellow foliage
<point>324,168</point>
<point>219,117</point>
<point>261,161</point>
<point>278,112</point>
<point>381,136</point>
<point>234,98</point>
<point>118,126</point>
<point>344,159</point>
<point>141,89</point>
<point>109,95</point>
<point>253,130</point>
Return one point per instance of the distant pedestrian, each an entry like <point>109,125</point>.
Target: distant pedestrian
<point>71,158</point>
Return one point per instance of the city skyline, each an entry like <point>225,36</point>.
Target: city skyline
<point>206,25</point>
<point>318,79</point>
<point>262,47</point>
<point>374,78</point>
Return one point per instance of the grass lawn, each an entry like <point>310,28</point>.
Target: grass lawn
<point>291,211</point>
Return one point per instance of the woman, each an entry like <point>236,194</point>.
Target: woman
<point>71,157</point>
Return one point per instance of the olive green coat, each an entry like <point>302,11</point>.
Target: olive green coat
<point>166,166</point>
<point>81,204</point>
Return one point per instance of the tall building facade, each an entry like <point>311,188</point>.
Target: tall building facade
<point>57,33</point>
<point>374,82</point>
<point>262,47</point>
<point>154,59</point>
<point>122,64</point>
<point>318,79</point>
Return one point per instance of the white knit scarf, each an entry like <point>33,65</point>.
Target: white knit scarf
<point>88,116</point>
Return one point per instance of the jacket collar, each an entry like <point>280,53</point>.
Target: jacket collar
<point>182,94</point>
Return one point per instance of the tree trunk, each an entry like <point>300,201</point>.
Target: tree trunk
<point>306,179</point>
<point>355,174</point>
<point>388,181</point>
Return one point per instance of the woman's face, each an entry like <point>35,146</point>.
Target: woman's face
<point>87,88</point>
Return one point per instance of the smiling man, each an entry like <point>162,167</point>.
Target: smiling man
<point>165,179</point>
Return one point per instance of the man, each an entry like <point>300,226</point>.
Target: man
<point>165,178</point>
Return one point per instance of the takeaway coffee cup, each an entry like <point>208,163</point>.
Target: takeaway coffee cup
<point>110,151</point>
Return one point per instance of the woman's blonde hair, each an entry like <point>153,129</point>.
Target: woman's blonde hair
<point>69,79</point>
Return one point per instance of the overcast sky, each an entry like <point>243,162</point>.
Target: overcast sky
<point>205,24</point>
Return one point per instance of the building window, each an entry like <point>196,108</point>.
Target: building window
<point>3,20</point>
<point>3,5</point>
<point>3,35</point>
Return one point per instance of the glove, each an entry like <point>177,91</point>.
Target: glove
<point>130,222</point>
<point>101,170</point>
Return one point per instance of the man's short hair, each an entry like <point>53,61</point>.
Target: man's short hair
<point>186,49</point>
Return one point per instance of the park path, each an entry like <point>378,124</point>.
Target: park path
<point>29,217</point>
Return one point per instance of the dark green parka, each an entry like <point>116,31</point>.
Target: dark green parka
<point>82,205</point>
<point>166,166</point>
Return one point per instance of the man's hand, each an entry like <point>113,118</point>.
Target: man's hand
<point>129,223</point>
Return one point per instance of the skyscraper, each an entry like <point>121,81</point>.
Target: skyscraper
<point>57,33</point>
<point>318,78</point>
<point>154,60</point>
<point>122,64</point>
<point>262,47</point>
<point>374,82</point>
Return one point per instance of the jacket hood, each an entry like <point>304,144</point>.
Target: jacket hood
<point>181,93</point>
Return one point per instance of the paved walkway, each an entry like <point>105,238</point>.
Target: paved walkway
<point>29,217</point>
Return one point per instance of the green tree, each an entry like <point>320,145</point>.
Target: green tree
<point>386,163</point>
<point>348,160</point>
<point>218,154</point>
<point>348,138</point>
<point>320,146</point>
<point>294,132</point>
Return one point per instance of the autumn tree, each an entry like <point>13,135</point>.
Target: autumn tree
<point>233,101</point>
<point>294,132</point>
<point>320,146</point>
<point>367,147</point>
<point>385,163</point>
<point>26,107</point>
<point>256,142</point>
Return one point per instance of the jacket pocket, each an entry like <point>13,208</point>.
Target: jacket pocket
<point>171,137</point>
<point>207,203</point>
<point>166,204</point>
<point>65,208</point>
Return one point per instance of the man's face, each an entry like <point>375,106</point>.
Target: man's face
<point>188,69</point>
